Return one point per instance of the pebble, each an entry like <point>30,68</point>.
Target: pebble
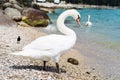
<point>73,61</point>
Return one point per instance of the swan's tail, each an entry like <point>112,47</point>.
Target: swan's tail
<point>29,53</point>
<point>34,54</point>
<point>22,53</point>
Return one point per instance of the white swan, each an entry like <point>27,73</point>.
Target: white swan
<point>88,23</point>
<point>52,46</point>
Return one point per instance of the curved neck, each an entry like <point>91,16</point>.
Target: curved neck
<point>61,26</point>
<point>88,18</point>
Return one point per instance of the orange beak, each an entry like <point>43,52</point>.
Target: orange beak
<point>78,20</point>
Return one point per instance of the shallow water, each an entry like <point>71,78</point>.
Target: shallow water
<point>100,43</point>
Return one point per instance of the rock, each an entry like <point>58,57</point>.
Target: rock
<point>11,5</point>
<point>23,24</point>
<point>17,7</point>
<point>13,13</point>
<point>3,1</point>
<point>35,6</point>
<point>73,61</point>
<point>6,21</point>
<point>48,10</point>
<point>7,4</point>
<point>13,1</point>
<point>35,17</point>
<point>87,72</point>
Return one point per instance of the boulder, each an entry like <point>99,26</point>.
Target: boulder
<point>12,5</point>
<point>35,17</point>
<point>7,4</point>
<point>6,21</point>
<point>13,13</point>
<point>13,1</point>
<point>23,24</point>
<point>16,6</point>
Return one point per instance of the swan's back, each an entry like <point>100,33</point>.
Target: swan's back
<point>88,23</point>
<point>54,42</point>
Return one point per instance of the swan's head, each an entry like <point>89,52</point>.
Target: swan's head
<point>76,15</point>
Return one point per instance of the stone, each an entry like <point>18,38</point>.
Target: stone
<point>87,72</point>
<point>6,21</point>
<point>13,1</point>
<point>73,61</point>
<point>12,4</point>
<point>13,13</point>
<point>35,17</point>
<point>23,24</point>
<point>7,4</point>
<point>16,6</point>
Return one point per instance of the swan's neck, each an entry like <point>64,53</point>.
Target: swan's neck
<point>88,18</point>
<point>61,26</point>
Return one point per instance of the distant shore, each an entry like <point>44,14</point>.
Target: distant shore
<point>76,6</point>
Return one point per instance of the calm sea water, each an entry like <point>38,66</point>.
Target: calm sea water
<point>100,43</point>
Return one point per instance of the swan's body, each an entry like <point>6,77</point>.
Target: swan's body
<point>52,46</point>
<point>88,23</point>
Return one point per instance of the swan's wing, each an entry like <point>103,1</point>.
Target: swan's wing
<point>48,42</point>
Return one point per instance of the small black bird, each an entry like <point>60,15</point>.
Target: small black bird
<point>18,40</point>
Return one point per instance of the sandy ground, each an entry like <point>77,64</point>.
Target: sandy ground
<point>24,68</point>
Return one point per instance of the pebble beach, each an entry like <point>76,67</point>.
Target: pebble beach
<point>25,68</point>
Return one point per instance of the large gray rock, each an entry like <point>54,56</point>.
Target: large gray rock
<point>13,1</point>
<point>12,5</point>
<point>7,4</point>
<point>16,6</point>
<point>13,13</point>
<point>35,17</point>
<point>6,21</point>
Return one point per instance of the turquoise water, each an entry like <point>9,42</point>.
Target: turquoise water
<point>100,43</point>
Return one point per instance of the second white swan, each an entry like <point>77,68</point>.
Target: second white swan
<point>88,23</point>
<point>53,46</point>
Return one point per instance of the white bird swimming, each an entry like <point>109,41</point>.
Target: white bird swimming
<point>52,46</point>
<point>88,23</point>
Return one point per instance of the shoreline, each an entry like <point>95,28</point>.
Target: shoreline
<point>69,6</point>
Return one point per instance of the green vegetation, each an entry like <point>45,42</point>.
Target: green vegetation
<point>25,2</point>
<point>36,23</point>
<point>93,2</point>
<point>102,2</point>
<point>90,2</point>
